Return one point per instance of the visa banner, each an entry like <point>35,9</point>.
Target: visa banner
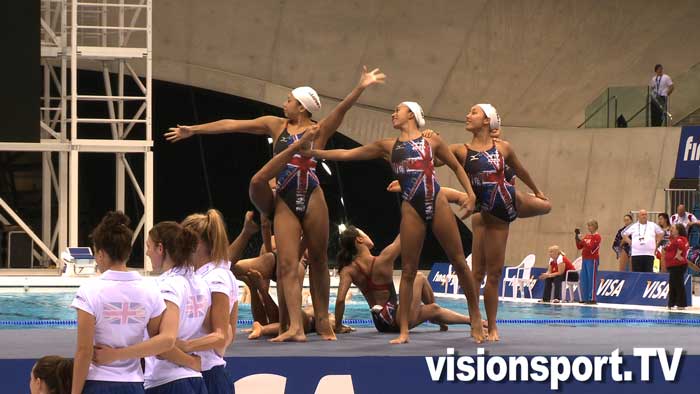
<point>688,159</point>
<point>635,288</point>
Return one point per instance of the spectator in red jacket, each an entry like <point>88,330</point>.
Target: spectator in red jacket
<point>676,264</point>
<point>559,264</point>
<point>590,247</point>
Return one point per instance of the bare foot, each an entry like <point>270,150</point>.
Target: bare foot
<point>400,340</point>
<point>477,331</point>
<point>256,331</point>
<point>493,335</point>
<point>290,336</point>
<point>325,330</point>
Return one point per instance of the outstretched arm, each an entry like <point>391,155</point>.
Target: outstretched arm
<point>443,152</point>
<point>237,247</point>
<point>264,125</point>
<point>371,151</point>
<point>330,123</point>
<point>520,171</point>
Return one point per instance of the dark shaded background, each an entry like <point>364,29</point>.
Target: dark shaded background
<point>214,171</point>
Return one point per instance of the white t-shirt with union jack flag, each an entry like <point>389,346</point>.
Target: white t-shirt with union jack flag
<point>220,280</point>
<point>190,293</point>
<point>122,303</point>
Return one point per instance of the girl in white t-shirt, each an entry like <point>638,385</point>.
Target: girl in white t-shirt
<point>211,261</point>
<point>114,310</point>
<point>170,248</point>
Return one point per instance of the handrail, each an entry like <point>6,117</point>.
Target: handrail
<point>597,110</point>
<point>638,112</point>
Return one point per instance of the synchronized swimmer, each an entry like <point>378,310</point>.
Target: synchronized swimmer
<point>190,318</point>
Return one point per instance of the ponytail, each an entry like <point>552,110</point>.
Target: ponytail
<point>211,229</point>
<point>348,250</point>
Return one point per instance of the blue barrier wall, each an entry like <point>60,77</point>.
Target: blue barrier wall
<point>635,288</point>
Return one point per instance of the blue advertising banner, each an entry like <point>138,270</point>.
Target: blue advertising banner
<point>438,373</point>
<point>688,159</point>
<point>636,288</point>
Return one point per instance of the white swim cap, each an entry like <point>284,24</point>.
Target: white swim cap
<point>492,114</point>
<point>417,112</point>
<point>308,98</point>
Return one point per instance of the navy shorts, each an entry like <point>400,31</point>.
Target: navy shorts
<point>102,387</point>
<point>218,380</point>
<point>180,386</point>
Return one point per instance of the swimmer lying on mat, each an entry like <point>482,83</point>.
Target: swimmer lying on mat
<point>373,275</point>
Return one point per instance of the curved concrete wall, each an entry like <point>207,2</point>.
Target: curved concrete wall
<point>522,55</point>
<point>587,173</point>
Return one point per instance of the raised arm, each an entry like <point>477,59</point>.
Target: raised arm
<point>330,123</point>
<point>442,151</point>
<point>264,125</point>
<point>520,171</point>
<point>259,190</point>
<point>237,247</point>
<point>392,251</point>
<point>375,150</point>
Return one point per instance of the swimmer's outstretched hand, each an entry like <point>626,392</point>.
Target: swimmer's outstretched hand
<point>179,133</point>
<point>427,133</point>
<point>369,78</point>
<point>104,354</point>
<point>394,187</point>
<point>468,204</point>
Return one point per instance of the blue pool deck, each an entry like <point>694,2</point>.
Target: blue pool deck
<point>515,340</point>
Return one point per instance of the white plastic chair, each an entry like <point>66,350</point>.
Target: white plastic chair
<point>571,286</point>
<point>521,278</point>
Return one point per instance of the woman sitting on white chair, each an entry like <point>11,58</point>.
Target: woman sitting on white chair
<point>559,264</point>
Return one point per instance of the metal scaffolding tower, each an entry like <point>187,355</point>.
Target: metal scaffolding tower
<point>114,37</point>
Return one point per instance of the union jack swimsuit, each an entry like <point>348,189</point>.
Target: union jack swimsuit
<point>495,194</point>
<point>412,162</point>
<point>298,178</point>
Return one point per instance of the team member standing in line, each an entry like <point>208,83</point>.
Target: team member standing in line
<point>115,311</point>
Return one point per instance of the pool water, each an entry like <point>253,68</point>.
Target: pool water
<point>27,310</point>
